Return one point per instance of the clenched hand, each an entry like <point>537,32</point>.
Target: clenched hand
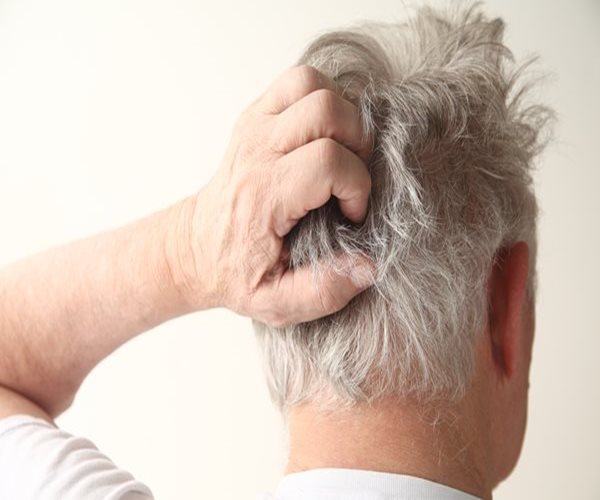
<point>291,150</point>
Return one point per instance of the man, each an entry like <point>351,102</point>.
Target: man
<point>396,319</point>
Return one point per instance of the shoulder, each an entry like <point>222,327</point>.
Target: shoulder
<point>39,460</point>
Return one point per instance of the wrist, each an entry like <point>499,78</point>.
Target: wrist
<point>184,267</point>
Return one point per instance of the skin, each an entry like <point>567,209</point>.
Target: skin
<point>64,310</point>
<point>471,444</point>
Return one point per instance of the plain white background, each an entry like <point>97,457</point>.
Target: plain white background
<point>112,109</point>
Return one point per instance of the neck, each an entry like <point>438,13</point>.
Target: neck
<point>395,437</point>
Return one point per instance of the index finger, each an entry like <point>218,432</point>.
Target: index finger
<point>315,172</point>
<point>292,85</point>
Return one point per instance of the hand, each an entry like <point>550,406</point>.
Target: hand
<point>291,150</point>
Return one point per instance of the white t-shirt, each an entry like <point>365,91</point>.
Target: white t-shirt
<point>352,484</point>
<point>40,462</point>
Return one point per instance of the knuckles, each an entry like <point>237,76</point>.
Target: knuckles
<point>326,105</point>
<point>250,190</point>
<point>326,101</point>
<point>328,152</point>
<point>306,78</point>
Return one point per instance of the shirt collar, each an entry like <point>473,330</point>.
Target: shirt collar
<point>352,484</point>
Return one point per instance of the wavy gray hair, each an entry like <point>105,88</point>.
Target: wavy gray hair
<point>451,174</point>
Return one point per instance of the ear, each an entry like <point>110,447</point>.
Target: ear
<point>507,296</point>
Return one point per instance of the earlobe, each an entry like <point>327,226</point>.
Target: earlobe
<point>507,296</point>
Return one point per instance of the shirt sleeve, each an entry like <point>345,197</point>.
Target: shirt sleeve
<point>40,461</point>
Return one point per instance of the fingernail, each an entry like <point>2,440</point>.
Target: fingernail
<point>363,275</point>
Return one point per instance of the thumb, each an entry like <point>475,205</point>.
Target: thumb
<point>300,298</point>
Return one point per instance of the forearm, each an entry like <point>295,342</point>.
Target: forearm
<point>299,144</point>
<point>64,310</point>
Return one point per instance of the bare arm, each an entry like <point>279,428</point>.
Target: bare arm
<point>64,310</point>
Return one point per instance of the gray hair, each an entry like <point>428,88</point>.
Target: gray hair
<point>451,187</point>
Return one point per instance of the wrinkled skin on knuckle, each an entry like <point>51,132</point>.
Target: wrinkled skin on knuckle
<point>329,155</point>
<point>327,105</point>
<point>306,78</point>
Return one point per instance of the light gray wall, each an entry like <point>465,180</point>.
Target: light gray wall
<point>112,109</point>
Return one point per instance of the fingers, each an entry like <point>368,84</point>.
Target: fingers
<point>299,300</point>
<point>293,85</point>
<point>313,173</point>
<point>322,113</point>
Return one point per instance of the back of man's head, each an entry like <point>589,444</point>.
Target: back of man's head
<point>451,187</point>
